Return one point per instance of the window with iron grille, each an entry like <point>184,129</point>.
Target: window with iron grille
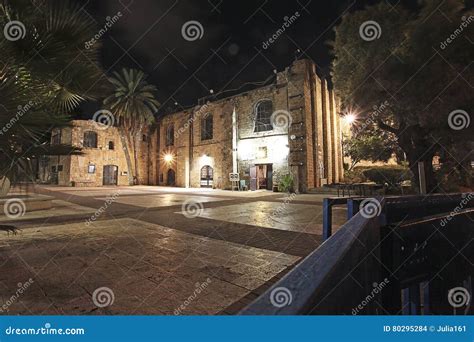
<point>90,139</point>
<point>263,114</point>
<point>207,126</point>
<point>170,135</point>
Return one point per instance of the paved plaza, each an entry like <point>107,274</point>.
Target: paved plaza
<point>154,250</point>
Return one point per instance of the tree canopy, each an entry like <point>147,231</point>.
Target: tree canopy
<point>45,72</point>
<point>419,63</point>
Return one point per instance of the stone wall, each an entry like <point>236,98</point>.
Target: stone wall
<point>307,147</point>
<point>75,168</point>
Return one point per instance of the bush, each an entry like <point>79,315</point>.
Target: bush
<point>355,175</point>
<point>390,176</point>
<point>286,183</point>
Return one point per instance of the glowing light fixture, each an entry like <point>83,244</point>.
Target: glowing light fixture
<point>168,158</point>
<point>349,118</point>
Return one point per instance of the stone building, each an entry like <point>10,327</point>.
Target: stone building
<point>102,161</point>
<point>290,126</point>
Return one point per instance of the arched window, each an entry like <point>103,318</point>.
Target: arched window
<point>263,114</point>
<point>111,145</point>
<point>90,139</point>
<point>207,127</point>
<point>170,135</point>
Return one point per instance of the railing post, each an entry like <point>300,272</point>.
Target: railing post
<point>327,218</point>
<point>352,208</point>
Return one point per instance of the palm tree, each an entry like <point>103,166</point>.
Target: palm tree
<point>133,104</point>
<point>45,72</point>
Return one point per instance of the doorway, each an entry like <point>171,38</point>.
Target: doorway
<point>170,177</point>
<point>207,177</point>
<point>110,175</point>
<point>261,177</point>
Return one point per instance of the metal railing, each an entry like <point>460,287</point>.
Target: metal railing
<point>404,259</point>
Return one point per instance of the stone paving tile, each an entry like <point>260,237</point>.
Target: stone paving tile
<point>164,200</point>
<point>151,269</point>
<point>60,208</point>
<point>304,218</point>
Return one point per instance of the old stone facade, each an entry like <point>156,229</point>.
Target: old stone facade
<point>290,126</point>
<point>102,161</point>
<point>301,136</point>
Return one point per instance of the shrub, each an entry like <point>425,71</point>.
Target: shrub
<point>390,176</point>
<point>286,183</point>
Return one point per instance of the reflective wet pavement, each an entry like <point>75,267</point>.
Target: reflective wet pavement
<point>145,253</point>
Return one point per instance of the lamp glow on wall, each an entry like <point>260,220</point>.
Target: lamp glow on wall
<point>205,160</point>
<point>168,158</point>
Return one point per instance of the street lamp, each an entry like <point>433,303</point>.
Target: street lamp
<point>349,118</point>
<point>168,157</point>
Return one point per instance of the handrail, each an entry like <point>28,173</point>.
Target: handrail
<point>368,251</point>
<point>307,283</point>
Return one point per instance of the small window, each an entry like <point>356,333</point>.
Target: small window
<point>91,168</point>
<point>263,114</point>
<point>207,127</point>
<point>90,139</point>
<point>144,137</point>
<point>53,168</point>
<point>262,152</point>
<point>60,168</point>
<point>170,135</point>
<point>56,137</point>
<point>111,145</point>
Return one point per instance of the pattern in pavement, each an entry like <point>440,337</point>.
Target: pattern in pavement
<point>149,257</point>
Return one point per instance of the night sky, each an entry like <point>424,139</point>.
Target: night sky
<point>148,37</point>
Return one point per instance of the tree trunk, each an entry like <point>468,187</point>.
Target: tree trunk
<point>419,148</point>
<point>136,136</point>
<point>123,139</point>
<point>135,155</point>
